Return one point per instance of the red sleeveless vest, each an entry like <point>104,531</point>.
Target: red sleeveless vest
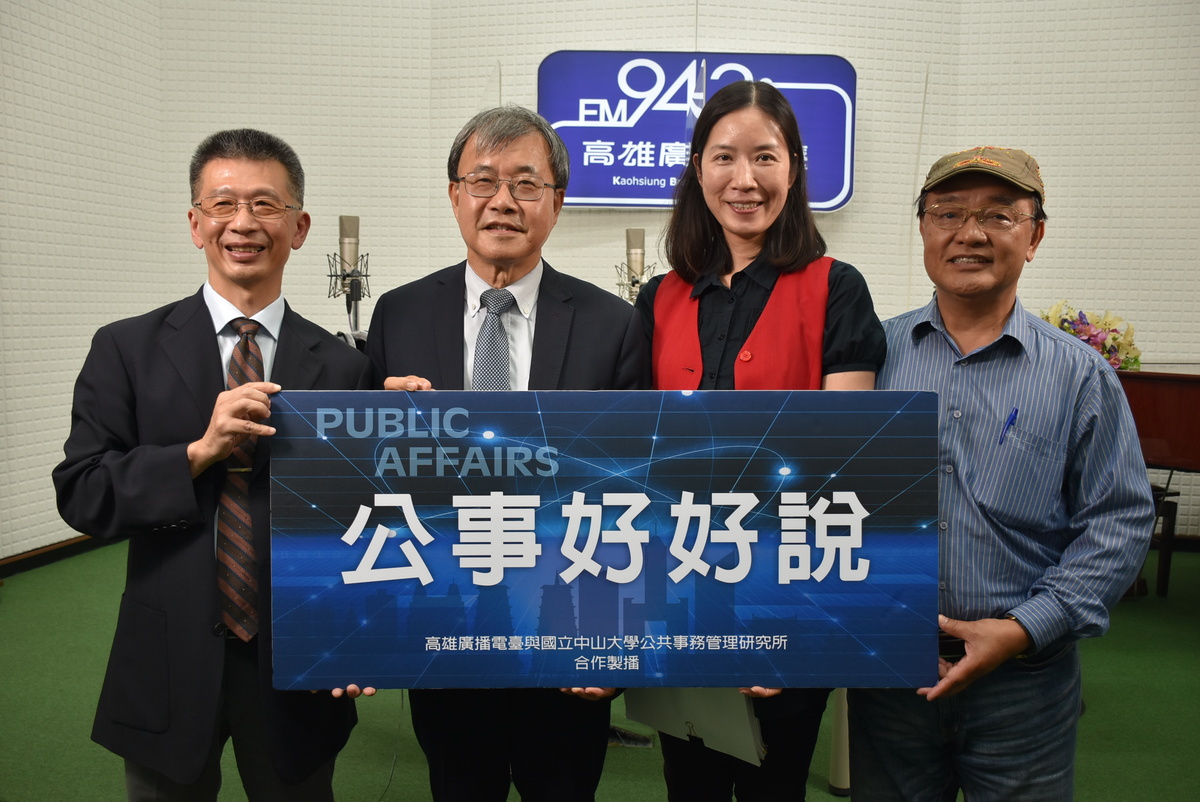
<point>783,352</point>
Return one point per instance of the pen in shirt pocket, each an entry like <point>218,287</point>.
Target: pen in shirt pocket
<point>1008,424</point>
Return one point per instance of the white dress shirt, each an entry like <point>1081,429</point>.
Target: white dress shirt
<point>518,321</point>
<point>269,318</point>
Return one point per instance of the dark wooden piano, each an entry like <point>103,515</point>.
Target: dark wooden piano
<point>1165,401</point>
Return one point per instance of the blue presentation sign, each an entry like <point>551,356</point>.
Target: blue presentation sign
<point>518,539</point>
<point>627,118</point>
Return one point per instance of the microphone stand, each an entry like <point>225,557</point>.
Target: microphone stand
<point>351,281</point>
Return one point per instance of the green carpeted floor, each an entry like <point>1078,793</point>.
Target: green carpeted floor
<point>1137,738</point>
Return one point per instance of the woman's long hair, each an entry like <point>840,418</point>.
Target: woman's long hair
<point>695,242</point>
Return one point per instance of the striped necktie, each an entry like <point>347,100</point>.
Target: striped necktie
<point>237,566</point>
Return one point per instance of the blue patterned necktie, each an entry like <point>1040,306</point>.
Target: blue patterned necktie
<point>237,564</point>
<point>491,348</point>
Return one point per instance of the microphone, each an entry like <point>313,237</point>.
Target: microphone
<point>348,250</point>
<point>633,272</point>
<point>635,252</point>
<point>348,276</point>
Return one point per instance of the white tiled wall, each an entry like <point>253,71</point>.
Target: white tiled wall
<point>82,221</point>
<point>104,101</point>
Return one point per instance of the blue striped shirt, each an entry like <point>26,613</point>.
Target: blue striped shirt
<point>1050,522</point>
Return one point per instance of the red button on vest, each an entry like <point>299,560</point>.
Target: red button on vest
<point>745,356</point>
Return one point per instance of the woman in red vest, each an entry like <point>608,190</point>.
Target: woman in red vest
<point>752,303</point>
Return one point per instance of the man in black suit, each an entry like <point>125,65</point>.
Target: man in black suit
<point>508,171</point>
<point>155,435</point>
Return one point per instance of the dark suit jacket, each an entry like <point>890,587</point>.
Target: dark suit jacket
<point>146,390</point>
<point>584,338</point>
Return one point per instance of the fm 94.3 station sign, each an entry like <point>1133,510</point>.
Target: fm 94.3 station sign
<point>627,118</point>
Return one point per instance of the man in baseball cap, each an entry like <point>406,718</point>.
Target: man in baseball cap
<point>1044,507</point>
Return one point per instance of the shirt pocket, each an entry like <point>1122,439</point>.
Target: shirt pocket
<point>1019,482</point>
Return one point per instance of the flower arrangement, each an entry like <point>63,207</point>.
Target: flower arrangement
<point>1110,335</point>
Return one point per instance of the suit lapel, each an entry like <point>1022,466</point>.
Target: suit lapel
<point>449,296</point>
<point>551,332</point>
<point>296,367</point>
<point>190,343</point>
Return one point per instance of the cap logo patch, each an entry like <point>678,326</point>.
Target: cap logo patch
<point>978,160</point>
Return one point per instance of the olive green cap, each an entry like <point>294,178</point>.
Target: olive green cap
<point>1015,166</point>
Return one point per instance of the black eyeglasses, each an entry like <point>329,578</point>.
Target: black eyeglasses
<point>263,208</point>
<point>522,187</point>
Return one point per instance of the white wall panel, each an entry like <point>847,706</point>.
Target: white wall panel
<point>104,102</point>
<point>81,216</point>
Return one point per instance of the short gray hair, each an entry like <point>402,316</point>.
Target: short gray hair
<point>496,128</point>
